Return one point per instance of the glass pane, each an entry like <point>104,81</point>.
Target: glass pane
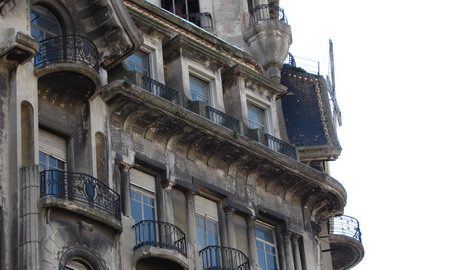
<point>139,61</point>
<point>136,210</point>
<point>261,260</point>
<point>201,237</point>
<point>149,213</point>
<point>271,262</point>
<point>199,89</point>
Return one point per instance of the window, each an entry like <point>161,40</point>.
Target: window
<point>181,7</point>
<point>44,24</point>
<point>143,204</point>
<point>256,117</point>
<point>76,265</point>
<point>207,218</point>
<point>52,156</point>
<point>139,61</point>
<point>199,89</point>
<point>266,247</point>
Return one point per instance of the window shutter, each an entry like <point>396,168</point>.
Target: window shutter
<point>52,145</point>
<point>142,180</point>
<point>205,207</point>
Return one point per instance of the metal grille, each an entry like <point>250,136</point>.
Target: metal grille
<point>204,19</point>
<point>222,119</point>
<point>67,49</point>
<point>81,188</point>
<point>267,12</point>
<point>345,225</point>
<point>224,258</point>
<point>280,146</point>
<point>160,89</point>
<point>161,235</point>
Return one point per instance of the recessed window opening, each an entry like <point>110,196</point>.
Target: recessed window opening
<point>182,7</point>
<point>77,265</point>
<point>143,202</point>
<point>44,24</point>
<point>256,117</point>
<point>200,89</point>
<point>139,62</point>
<point>207,220</point>
<point>266,247</point>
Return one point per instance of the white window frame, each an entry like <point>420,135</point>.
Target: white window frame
<point>207,210</point>
<point>148,189</point>
<point>266,226</point>
<point>266,107</point>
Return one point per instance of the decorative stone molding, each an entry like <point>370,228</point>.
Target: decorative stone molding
<point>18,47</point>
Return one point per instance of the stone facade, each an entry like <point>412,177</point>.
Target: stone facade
<point>150,135</point>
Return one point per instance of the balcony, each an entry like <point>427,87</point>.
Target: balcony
<point>203,20</point>
<point>161,240</point>
<point>68,62</point>
<point>161,90</point>
<point>280,146</point>
<point>224,258</point>
<point>89,196</point>
<point>345,242</point>
<point>267,12</point>
<point>222,119</point>
<point>161,235</point>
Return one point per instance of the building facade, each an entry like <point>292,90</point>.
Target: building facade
<point>164,134</point>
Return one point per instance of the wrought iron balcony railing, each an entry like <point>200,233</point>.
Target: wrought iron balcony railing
<point>160,89</point>
<point>67,49</point>
<point>161,235</point>
<point>345,225</point>
<point>204,20</point>
<point>267,12</point>
<point>222,119</point>
<point>81,188</point>
<point>281,146</point>
<point>224,258</point>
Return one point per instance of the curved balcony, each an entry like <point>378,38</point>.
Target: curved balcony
<point>161,240</point>
<point>90,197</point>
<point>224,258</point>
<point>267,12</point>
<point>68,60</point>
<point>345,242</point>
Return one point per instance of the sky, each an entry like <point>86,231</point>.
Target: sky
<point>391,65</point>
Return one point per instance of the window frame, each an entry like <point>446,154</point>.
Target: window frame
<point>272,229</point>
<point>151,195</point>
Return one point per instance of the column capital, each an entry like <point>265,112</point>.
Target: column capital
<point>229,211</point>
<point>250,220</point>
<point>167,184</point>
<point>123,166</point>
<point>190,194</point>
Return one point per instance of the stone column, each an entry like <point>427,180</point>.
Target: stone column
<point>252,242</point>
<point>29,218</point>
<point>229,212</point>
<point>167,203</point>
<point>297,256</point>
<point>125,189</point>
<point>288,250</point>
<point>192,227</point>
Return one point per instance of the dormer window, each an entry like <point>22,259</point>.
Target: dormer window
<point>181,7</point>
<point>199,89</point>
<point>256,117</point>
<point>139,61</point>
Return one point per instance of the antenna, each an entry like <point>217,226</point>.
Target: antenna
<point>332,87</point>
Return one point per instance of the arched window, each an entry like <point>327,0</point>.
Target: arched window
<point>77,265</point>
<point>44,24</point>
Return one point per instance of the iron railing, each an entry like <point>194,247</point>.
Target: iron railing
<point>67,49</point>
<point>160,89</point>
<point>161,235</point>
<point>308,65</point>
<point>222,119</point>
<point>81,188</point>
<point>204,19</point>
<point>280,146</point>
<point>224,258</point>
<point>267,12</point>
<point>345,225</point>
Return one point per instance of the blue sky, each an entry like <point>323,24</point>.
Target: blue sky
<point>391,60</point>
